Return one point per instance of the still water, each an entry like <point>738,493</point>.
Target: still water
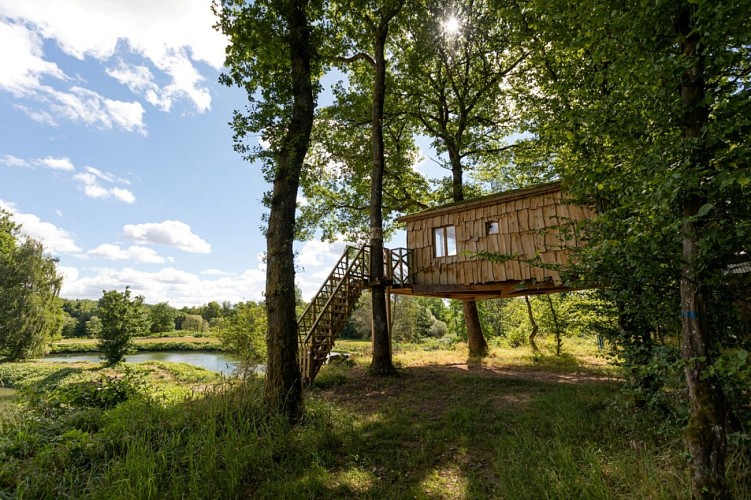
<point>214,361</point>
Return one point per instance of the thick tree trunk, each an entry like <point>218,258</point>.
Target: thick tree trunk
<point>476,343</point>
<point>477,346</point>
<point>283,387</point>
<point>535,328</point>
<point>381,363</point>
<point>706,431</point>
<point>457,172</point>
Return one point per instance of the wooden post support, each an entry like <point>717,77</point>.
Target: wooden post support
<point>389,318</point>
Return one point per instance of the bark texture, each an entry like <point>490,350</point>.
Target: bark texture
<point>476,343</point>
<point>283,387</point>
<point>381,362</point>
<point>706,430</point>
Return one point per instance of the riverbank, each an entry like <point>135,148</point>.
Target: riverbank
<point>178,343</point>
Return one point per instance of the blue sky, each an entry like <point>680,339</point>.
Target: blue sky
<point>115,152</point>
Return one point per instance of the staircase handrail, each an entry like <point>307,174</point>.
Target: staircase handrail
<point>333,293</point>
<point>345,255</point>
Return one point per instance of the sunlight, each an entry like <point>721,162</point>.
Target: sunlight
<point>452,26</point>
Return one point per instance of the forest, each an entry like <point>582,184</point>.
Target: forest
<point>635,383</point>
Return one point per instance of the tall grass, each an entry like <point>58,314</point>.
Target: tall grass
<point>447,430</point>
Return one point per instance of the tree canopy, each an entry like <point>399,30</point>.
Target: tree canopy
<point>30,311</point>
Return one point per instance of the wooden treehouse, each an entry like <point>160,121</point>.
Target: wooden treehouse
<point>504,245</point>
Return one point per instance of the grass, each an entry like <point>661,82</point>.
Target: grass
<point>180,343</point>
<point>511,426</point>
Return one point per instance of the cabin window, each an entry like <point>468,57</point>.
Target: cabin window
<point>445,241</point>
<point>492,227</point>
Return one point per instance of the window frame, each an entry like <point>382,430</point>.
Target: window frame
<point>444,238</point>
<point>490,225</point>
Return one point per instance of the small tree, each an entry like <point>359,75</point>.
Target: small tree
<point>94,327</point>
<point>162,318</point>
<point>122,318</point>
<point>245,332</point>
<point>194,323</point>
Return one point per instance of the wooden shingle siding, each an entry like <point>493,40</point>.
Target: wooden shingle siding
<point>534,222</point>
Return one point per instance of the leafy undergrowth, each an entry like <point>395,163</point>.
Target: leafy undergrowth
<point>534,429</point>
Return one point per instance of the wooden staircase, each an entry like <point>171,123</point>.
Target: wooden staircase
<point>326,315</point>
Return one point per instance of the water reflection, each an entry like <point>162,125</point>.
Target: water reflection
<point>214,361</point>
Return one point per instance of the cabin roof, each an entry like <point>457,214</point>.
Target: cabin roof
<point>483,201</point>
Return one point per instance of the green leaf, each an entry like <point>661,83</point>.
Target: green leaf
<point>704,210</point>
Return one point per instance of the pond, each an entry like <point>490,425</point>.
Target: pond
<point>214,361</point>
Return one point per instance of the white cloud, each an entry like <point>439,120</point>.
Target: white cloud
<point>22,60</point>
<point>169,35</point>
<point>90,108</point>
<point>55,240</point>
<point>215,272</point>
<point>317,258</point>
<point>90,183</point>
<point>177,287</point>
<point>170,233</point>
<point>14,161</point>
<point>62,163</point>
<point>134,253</point>
<point>105,176</point>
<point>38,115</point>
<point>123,195</point>
<point>317,253</point>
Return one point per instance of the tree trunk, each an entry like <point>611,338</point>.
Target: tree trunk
<point>706,431</point>
<point>478,347</point>
<point>556,326</point>
<point>457,172</point>
<point>381,363</point>
<point>535,328</point>
<point>476,343</point>
<point>283,387</point>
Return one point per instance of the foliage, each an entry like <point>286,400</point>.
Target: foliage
<point>244,333</point>
<point>122,319</point>
<point>645,105</point>
<point>162,317</point>
<point>567,436</point>
<point>94,327</point>
<point>336,177</point>
<point>79,311</point>
<point>413,318</point>
<point>454,84</point>
<point>194,323</point>
<point>29,284</point>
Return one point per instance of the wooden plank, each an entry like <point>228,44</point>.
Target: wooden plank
<point>513,223</point>
<point>478,231</point>
<point>528,245</point>
<point>523,218</point>
<point>526,273</point>
<point>503,223</point>
<point>492,243</point>
<point>536,220</point>
<point>549,215</point>
<point>504,241</point>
